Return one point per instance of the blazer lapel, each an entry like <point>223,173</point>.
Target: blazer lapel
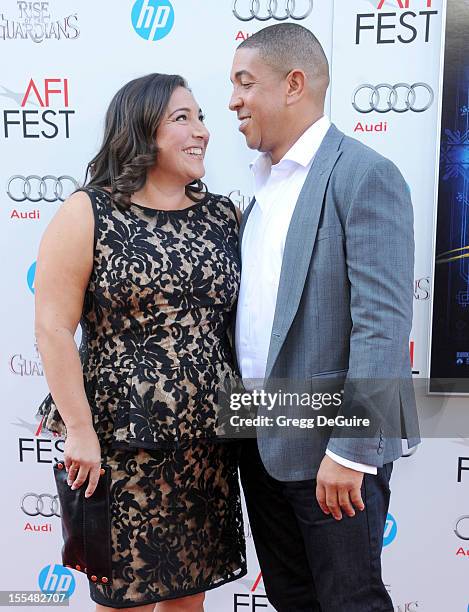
<point>300,241</point>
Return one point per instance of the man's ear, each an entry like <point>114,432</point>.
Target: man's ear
<point>296,84</point>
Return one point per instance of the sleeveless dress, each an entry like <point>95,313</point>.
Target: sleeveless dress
<point>156,355</point>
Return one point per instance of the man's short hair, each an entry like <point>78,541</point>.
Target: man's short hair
<point>286,46</point>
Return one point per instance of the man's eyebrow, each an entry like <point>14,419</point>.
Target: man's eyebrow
<point>242,73</point>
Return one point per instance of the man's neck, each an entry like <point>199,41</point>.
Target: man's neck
<point>294,134</point>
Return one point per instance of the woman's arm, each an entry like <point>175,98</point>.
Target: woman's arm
<point>63,270</point>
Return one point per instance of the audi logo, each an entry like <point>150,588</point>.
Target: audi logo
<point>35,188</point>
<point>271,10</point>
<point>40,505</point>
<point>457,528</point>
<point>400,98</point>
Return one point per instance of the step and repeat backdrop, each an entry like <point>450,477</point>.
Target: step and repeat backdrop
<point>399,84</point>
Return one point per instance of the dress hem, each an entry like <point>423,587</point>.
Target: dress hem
<point>187,593</point>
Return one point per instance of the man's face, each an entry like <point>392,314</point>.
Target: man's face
<point>258,98</point>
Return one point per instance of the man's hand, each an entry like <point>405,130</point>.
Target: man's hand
<point>338,488</point>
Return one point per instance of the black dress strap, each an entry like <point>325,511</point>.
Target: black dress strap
<point>91,193</point>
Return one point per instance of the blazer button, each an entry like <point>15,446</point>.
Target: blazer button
<point>380,450</point>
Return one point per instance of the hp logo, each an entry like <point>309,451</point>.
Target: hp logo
<point>31,277</point>
<point>56,579</point>
<point>390,530</point>
<point>153,19</point>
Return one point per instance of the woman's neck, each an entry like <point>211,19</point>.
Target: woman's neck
<point>162,195</point>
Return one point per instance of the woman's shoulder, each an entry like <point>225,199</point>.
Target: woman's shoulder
<point>102,194</point>
<point>225,203</point>
<point>77,203</point>
<point>218,197</point>
<point>99,198</point>
<point>88,205</point>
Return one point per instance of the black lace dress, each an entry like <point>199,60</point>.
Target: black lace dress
<point>155,355</point>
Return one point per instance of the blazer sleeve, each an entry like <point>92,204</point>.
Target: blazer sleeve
<point>379,243</point>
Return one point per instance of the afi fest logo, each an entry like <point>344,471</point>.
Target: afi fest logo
<point>253,600</point>
<point>35,22</point>
<point>153,19</point>
<point>38,123</point>
<point>463,466</point>
<point>40,446</point>
<point>396,21</point>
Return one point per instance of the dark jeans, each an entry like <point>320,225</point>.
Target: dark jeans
<point>310,562</point>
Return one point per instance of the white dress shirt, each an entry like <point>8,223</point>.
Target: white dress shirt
<point>276,189</point>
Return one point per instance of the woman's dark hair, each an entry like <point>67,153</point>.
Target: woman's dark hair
<point>129,147</point>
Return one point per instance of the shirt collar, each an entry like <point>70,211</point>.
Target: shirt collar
<point>301,152</point>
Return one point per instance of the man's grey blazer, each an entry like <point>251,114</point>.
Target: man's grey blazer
<point>344,310</point>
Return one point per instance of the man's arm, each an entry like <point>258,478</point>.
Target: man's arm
<point>380,263</point>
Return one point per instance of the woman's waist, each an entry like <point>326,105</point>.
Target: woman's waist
<point>158,396</point>
<point>160,319</point>
<point>155,354</point>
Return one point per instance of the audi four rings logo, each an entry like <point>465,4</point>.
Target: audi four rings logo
<point>35,188</point>
<point>40,505</point>
<point>399,98</point>
<point>462,533</point>
<point>271,9</point>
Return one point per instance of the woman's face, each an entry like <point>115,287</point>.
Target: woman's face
<point>182,139</point>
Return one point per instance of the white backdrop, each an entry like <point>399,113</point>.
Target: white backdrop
<point>87,50</point>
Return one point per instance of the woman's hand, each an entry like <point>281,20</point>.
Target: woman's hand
<point>82,455</point>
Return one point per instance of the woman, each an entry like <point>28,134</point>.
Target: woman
<point>148,262</point>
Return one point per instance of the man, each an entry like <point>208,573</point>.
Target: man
<point>326,297</point>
